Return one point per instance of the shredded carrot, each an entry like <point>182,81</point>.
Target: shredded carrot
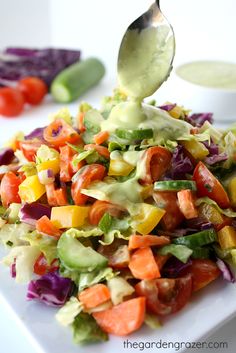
<point>45,226</point>
<point>141,241</point>
<point>80,121</point>
<point>101,137</point>
<point>186,204</point>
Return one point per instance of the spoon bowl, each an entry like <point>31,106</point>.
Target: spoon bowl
<point>146,54</point>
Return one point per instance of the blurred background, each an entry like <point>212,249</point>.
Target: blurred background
<point>204,29</point>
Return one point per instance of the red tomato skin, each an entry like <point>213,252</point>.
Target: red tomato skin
<point>11,102</point>
<point>33,89</point>
<point>9,189</point>
<point>29,149</point>
<point>208,185</point>
<point>99,208</point>
<point>41,266</point>
<point>203,272</point>
<point>166,296</point>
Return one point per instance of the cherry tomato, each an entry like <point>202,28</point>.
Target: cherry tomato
<point>29,149</point>
<point>11,102</point>
<point>173,216</point>
<point>100,207</point>
<point>208,185</point>
<point>41,266</point>
<point>59,132</point>
<point>9,189</point>
<point>166,296</point>
<point>157,161</point>
<point>33,89</point>
<point>203,272</point>
<point>103,151</point>
<point>87,174</point>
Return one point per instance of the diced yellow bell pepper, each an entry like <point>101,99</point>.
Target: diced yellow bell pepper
<point>147,219</point>
<point>211,214</point>
<point>227,237</point>
<point>232,191</point>
<point>176,112</point>
<point>69,216</point>
<point>147,191</point>
<point>31,189</point>
<point>53,164</point>
<point>196,149</point>
<point>119,167</point>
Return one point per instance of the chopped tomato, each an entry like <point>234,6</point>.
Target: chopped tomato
<point>161,260</point>
<point>142,241</point>
<point>203,271</point>
<point>56,197</point>
<point>9,189</point>
<point>99,208</point>
<point>208,185</point>
<point>117,253</point>
<point>41,266</point>
<point>11,102</point>
<point>33,89</point>
<point>67,170</point>
<point>103,151</point>
<point>59,132</point>
<point>80,122</point>
<point>165,296</point>
<point>124,318</point>
<point>94,296</point>
<point>173,216</point>
<point>101,137</point>
<point>29,149</point>
<point>186,204</point>
<point>45,226</point>
<point>143,265</point>
<point>157,161</point>
<point>87,174</point>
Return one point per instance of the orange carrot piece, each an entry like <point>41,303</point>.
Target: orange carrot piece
<point>45,226</point>
<point>94,296</point>
<point>186,204</point>
<point>80,122</point>
<point>101,137</point>
<point>143,265</point>
<point>142,241</point>
<point>103,151</point>
<point>124,318</point>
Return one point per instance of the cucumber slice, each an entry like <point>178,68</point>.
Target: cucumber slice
<point>201,253</point>
<point>197,239</point>
<point>132,135</point>
<point>175,185</point>
<point>76,79</point>
<point>75,256</point>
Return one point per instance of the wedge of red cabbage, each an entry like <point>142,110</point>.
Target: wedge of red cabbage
<point>6,156</point>
<point>16,63</point>
<point>50,289</point>
<point>30,213</point>
<point>199,119</point>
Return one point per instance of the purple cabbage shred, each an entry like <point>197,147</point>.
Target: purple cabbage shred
<point>199,119</point>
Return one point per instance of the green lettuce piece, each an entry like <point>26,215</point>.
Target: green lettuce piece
<point>45,154</point>
<point>86,330</point>
<point>229,147</point>
<point>66,315</point>
<point>119,288</point>
<point>227,211</point>
<point>13,212</point>
<point>109,237</point>
<point>114,228</point>
<point>90,278</point>
<point>109,102</point>
<point>209,129</point>
<point>24,258</point>
<point>152,321</point>
<point>13,234</point>
<point>182,252</point>
<point>63,114</point>
<point>29,169</point>
<point>84,233</point>
<point>46,245</point>
<point>81,156</point>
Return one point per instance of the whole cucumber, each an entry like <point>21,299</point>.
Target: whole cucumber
<point>76,79</point>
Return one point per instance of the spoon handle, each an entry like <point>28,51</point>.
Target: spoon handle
<point>157,2</point>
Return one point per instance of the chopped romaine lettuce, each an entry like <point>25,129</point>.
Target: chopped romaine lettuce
<point>86,330</point>
<point>119,288</point>
<point>66,315</point>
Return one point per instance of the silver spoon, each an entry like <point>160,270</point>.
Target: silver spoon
<point>146,54</point>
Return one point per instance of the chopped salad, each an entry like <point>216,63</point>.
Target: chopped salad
<point>118,222</point>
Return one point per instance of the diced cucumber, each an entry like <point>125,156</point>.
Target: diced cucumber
<point>132,135</point>
<point>75,256</point>
<point>197,239</point>
<point>175,185</point>
<point>76,79</point>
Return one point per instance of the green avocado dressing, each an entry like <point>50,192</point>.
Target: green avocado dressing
<point>215,74</point>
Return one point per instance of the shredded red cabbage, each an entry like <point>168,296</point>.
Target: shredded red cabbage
<point>174,268</point>
<point>199,119</point>
<point>216,158</point>
<point>180,165</point>
<point>42,63</point>
<point>198,223</point>
<point>13,270</point>
<point>167,107</point>
<point>6,156</point>
<point>36,134</point>
<point>226,271</point>
<point>30,213</point>
<point>50,289</point>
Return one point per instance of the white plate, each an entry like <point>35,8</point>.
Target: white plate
<point>208,310</point>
